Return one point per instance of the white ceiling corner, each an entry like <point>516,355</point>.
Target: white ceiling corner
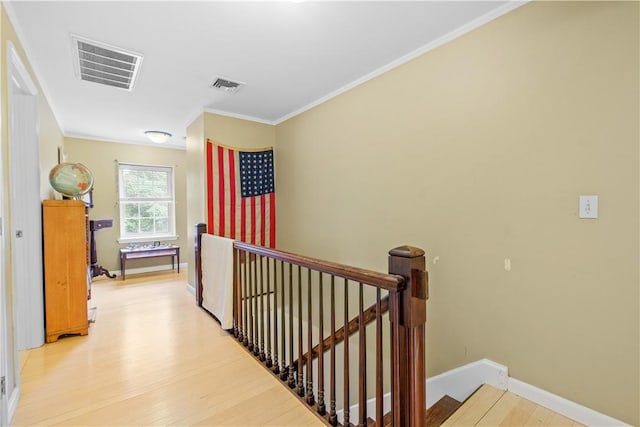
<point>292,56</point>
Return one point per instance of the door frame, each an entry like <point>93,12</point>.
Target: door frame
<point>23,131</point>
<point>27,330</point>
<point>4,331</point>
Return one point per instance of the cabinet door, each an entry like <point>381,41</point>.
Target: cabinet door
<point>65,267</point>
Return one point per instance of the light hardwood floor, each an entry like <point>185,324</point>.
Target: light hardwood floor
<point>154,358</point>
<point>151,358</point>
<point>492,407</point>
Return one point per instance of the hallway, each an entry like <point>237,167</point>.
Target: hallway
<point>151,358</point>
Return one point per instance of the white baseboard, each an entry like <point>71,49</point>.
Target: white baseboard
<point>13,403</point>
<point>191,289</point>
<point>562,406</point>
<point>163,267</point>
<point>461,382</point>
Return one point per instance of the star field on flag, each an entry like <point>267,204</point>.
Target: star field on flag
<point>256,173</point>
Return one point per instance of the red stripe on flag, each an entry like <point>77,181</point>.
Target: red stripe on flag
<point>263,213</point>
<point>220,158</point>
<point>272,220</point>
<point>231,215</point>
<point>253,220</point>
<point>243,219</point>
<point>232,194</point>
<point>210,187</point>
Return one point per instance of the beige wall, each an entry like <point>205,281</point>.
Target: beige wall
<point>477,152</point>
<point>195,183</point>
<point>223,130</point>
<point>50,137</point>
<point>100,157</point>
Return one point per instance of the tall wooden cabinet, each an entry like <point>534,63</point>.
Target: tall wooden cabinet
<point>65,243</point>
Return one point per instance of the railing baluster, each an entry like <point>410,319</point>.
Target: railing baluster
<point>333,419</point>
<point>362,363</point>
<point>237,298</point>
<point>292,369</point>
<point>379,367</point>
<point>235,295</point>
<point>269,337</point>
<point>310,399</point>
<point>284,372</point>
<point>251,312</point>
<point>256,348</point>
<point>241,295</point>
<point>345,409</point>
<point>321,407</point>
<point>276,366</point>
<point>262,355</point>
<point>394,314</point>
<point>300,389</point>
<point>245,285</point>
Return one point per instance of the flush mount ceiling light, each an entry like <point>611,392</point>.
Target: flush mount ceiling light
<point>158,136</point>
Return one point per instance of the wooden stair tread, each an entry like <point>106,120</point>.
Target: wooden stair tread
<point>441,410</point>
<point>435,415</point>
<point>489,406</point>
<point>475,406</point>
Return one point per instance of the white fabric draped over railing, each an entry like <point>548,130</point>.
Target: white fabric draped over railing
<point>217,278</point>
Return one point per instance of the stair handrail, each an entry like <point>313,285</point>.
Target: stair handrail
<point>407,287</point>
<point>390,282</point>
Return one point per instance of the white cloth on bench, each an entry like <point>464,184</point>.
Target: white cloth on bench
<point>217,278</point>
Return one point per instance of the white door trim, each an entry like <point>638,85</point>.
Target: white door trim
<point>25,206</point>
<point>25,261</point>
<point>19,74</point>
<point>4,332</point>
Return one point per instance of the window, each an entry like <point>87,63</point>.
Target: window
<point>147,202</point>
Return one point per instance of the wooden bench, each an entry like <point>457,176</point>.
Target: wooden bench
<point>149,252</point>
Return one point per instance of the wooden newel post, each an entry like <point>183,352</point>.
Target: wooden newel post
<point>408,316</point>
<point>200,229</point>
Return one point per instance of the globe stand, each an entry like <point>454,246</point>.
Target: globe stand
<point>98,270</point>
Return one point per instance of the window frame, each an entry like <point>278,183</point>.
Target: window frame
<point>146,237</point>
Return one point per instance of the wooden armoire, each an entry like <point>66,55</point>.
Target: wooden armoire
<point>66,259</point>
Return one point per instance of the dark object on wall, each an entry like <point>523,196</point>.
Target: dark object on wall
<point>94,225</point>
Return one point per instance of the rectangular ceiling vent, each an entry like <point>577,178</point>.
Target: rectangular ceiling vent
<point>103,64</point>
<point>226,85</point>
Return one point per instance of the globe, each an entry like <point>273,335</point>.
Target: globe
<point>71,179</point>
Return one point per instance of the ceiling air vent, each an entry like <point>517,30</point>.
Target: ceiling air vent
<point>226,85</point>
<point>100,63</point>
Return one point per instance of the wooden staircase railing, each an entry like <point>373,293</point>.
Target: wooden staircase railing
<point>290,312</point>
<point>352,328</point>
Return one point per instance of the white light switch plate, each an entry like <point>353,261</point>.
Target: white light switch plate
<point>589,207</point>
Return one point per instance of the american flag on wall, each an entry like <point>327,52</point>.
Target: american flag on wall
<point>241,199</point>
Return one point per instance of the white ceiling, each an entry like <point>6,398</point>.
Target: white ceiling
<point>291,55</point>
